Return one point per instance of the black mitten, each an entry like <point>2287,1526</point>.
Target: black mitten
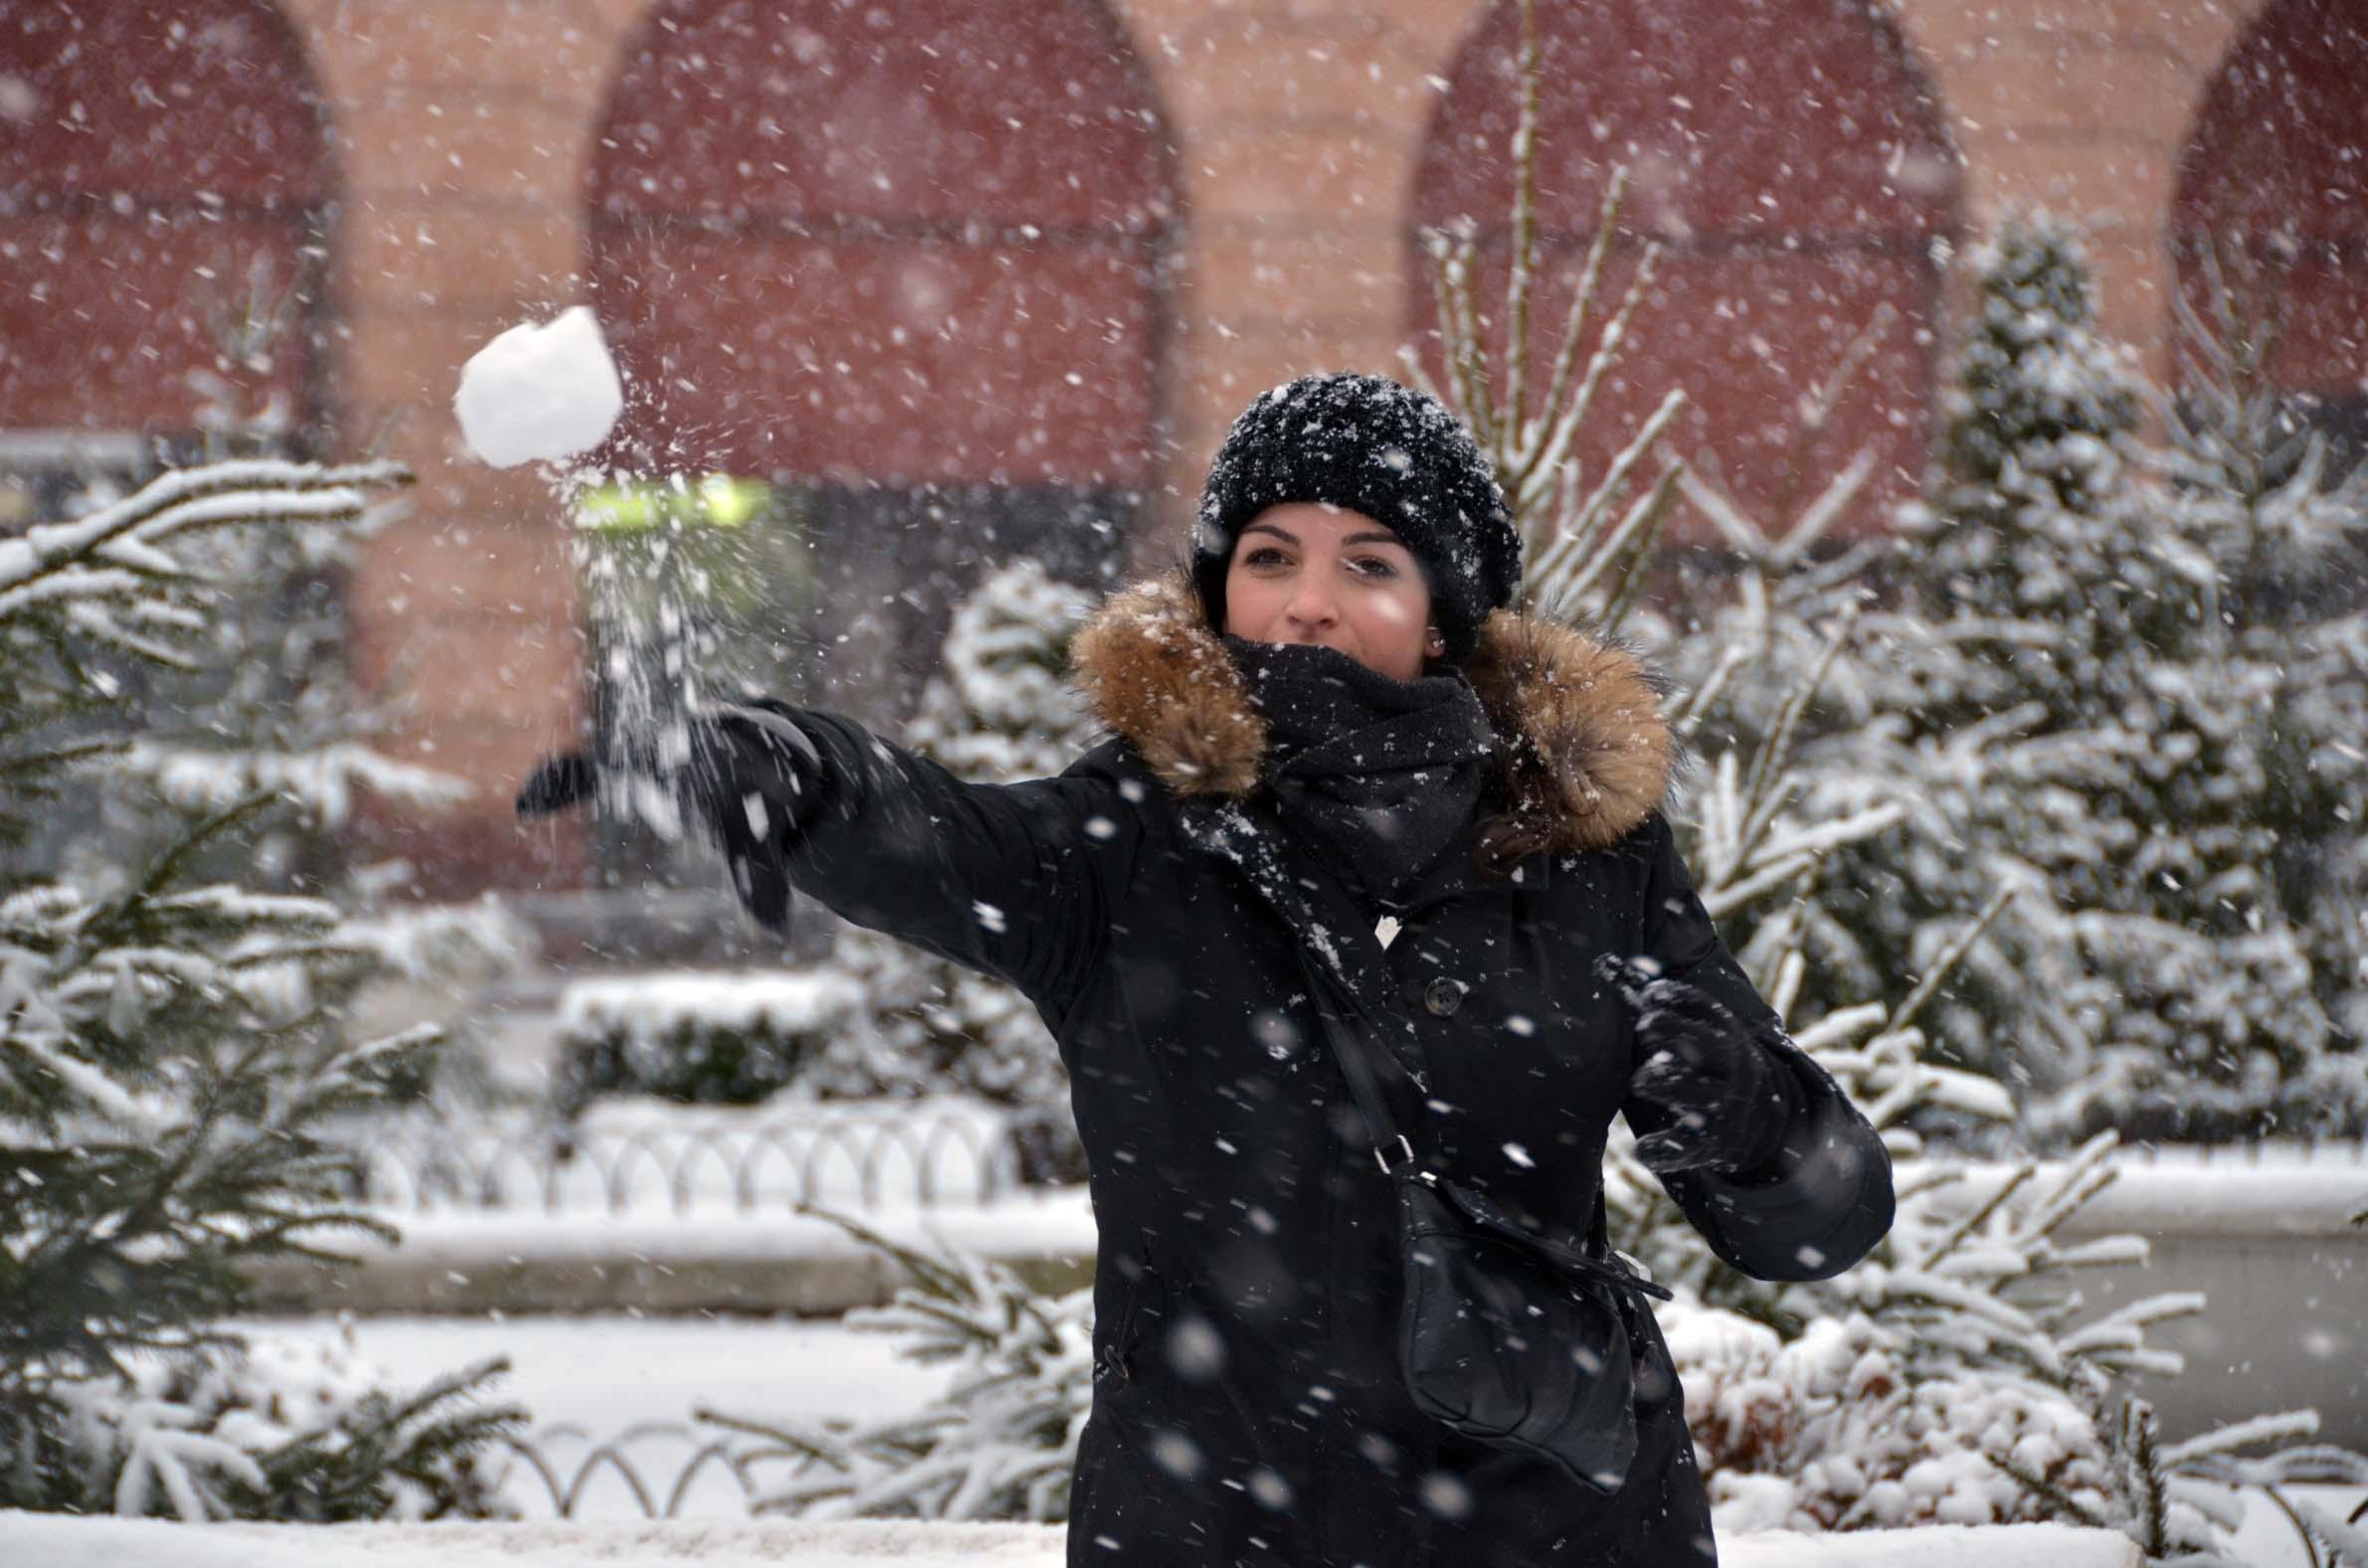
<point>753,777</point>
<point>558,783</point>
<point>1706,1096</point>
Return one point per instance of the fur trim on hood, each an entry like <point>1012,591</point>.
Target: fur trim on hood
<point>1585,755</point>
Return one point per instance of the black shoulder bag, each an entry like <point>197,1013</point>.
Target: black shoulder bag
<point>1508,1337</point>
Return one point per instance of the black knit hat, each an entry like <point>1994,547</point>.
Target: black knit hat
<point>1389,453</point>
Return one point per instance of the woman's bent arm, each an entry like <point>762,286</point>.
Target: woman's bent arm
<point>1826,1199</point>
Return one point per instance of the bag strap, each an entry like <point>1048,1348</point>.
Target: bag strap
<point>1339,954</point>
<point>1350,1046</point>
<point>1353,1046</point>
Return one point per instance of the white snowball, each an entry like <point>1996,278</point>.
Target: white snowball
<point>540,393</point>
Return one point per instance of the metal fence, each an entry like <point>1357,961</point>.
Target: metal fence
<point>652,1469</point>
<point>708,1473</point>
<point>690,1162</point>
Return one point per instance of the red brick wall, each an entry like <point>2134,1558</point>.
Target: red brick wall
<point>2080,106</point>
<point>464,139</point>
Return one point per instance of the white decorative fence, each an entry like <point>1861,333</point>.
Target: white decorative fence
<point>637,1158</point>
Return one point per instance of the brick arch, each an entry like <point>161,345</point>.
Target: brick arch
<point>909,246</point>
<point>151,160</point>
<point>1789,156</point>
<point>2275,170</point>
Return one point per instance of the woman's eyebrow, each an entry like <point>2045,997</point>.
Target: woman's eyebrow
<point>1375,536</point>
<point>1269,528</point>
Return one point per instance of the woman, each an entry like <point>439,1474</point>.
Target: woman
<point>1336,698</point>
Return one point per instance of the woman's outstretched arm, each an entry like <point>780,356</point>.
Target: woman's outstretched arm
<point>1014,880</point>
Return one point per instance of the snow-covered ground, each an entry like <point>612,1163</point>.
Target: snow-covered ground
<point>628,1383</point>
<point>109,1544</point>
<point>2274,1189</point>
<point>604,1373</point>
<point>612,1396</point>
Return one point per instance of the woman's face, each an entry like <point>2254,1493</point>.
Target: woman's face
<point>1336,579</point>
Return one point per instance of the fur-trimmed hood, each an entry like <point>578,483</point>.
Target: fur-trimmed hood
<point>1585,756</point>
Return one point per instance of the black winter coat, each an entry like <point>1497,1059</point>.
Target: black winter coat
<point>1247,1404</point>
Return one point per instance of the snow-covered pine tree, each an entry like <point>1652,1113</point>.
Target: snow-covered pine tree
<point>264,701</point>
<point>2031,586</point>
<point>172,1052</point>
<point>2043,416</point>
<point>1000,708</point>
<point>2088,725</point>
<point>2278,785</point>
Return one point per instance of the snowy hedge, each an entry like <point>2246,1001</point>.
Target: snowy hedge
<point>699,1038</point>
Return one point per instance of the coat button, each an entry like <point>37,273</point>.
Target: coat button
<point>1443,996</point>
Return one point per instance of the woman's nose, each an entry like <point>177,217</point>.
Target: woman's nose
<point>1312,602</point>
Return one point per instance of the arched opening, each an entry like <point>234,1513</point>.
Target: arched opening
<point>164,196</point>
<point>2272,196</point>
<point>906,269</point>
<point>1788,159</point>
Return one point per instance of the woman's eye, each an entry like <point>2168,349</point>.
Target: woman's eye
<point>1264,555</point>
<point>1375,565</point>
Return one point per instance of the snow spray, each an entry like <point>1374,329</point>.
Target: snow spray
<point>545,394</point>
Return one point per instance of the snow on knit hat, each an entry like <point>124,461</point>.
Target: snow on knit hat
<point>1389,453</point>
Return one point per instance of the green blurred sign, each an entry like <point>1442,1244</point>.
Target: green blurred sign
<point>715,500</point>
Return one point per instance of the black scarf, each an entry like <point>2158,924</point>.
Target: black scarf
<point>1380,775</point>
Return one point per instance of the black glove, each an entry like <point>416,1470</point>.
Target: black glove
<point>753,777</point>
<point>557,784</point>
<point>1724,1102</point>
